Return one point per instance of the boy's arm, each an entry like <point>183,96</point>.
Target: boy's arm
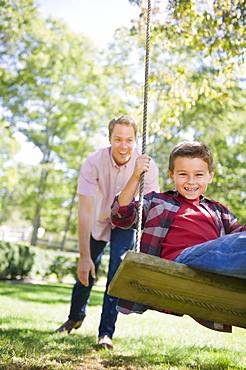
<point>127,194</point>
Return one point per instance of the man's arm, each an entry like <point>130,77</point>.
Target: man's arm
<point>85,264</point>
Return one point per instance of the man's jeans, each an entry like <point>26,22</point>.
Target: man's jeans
<point>121,241</point>
<point>225,255</point>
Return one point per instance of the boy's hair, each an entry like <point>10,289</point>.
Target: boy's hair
<point>123,120</point>
<point>193,149</point>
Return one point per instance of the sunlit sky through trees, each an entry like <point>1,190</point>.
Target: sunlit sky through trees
<point>96,19</point>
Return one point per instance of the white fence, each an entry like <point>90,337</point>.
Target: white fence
<point>17,234</point>
<point>55,241</point>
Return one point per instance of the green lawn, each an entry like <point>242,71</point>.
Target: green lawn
<point>30,313</point>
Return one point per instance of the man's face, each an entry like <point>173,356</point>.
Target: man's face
<point>191,176</point>
<point>122,142</point>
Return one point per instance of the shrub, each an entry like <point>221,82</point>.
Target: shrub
<point>42,260</point>
<point>19,261</point>
<point>16,260</point>
<point>62,266</point>
<point>3,257</point>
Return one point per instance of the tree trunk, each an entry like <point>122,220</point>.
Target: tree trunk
<point>36,223</point>
<point>68,219</point>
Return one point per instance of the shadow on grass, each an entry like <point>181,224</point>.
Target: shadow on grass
<point>28,347</point>
<point>35,349</point>
<point>42,342</point>
<point>45,293</point>
<point>177,359</point>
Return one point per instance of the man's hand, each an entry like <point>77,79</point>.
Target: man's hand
<point>86,267</point>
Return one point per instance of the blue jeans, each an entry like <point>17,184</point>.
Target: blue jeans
<point>120,242</point>
<point>225,255</point>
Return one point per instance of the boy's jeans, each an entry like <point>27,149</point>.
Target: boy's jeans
<point>225,255</point>
<point>120,242</point>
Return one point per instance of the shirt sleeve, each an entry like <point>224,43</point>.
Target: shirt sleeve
<point>124,216</point>
<point>151,179</point>
<point>88,178</point>
<point>232,225</point>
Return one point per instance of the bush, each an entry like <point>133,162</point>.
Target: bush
<point>42,260</point>
<point>15,260</point>
<point>66,265</point>
<point>62,266</point>
<point>3,257</point>
<point>19,261</point>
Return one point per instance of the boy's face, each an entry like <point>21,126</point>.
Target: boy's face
<point>122,141</point>
<point>191,176</point>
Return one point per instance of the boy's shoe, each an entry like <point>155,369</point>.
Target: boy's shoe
<point>68,326</point>
<point>104,342</point>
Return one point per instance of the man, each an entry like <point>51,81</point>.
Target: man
<point>104,174</point>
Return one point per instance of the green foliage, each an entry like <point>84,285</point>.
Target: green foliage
<point>4,263</point>
<point>21,261</point>
<point>57,91</point>
<point>43,258</point>
<point>16,260</point>
<point>63,266</point>
<point>196,53</point>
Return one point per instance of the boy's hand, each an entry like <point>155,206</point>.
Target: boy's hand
<point>142,165</point>
<point>127,194</point>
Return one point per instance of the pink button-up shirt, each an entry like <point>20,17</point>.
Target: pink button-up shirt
<point>102,178</point>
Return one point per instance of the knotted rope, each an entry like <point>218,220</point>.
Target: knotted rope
<point>145,111</point>
<point>183,299</point>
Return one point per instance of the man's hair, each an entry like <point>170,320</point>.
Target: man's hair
<point>122,120</point>
<point>193,149</point>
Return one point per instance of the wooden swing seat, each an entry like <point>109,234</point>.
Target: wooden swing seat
<point>175,287</point>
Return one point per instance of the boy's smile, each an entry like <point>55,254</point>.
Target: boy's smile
<point>191,176</point>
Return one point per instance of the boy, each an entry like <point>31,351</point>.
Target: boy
<point>183,225</point>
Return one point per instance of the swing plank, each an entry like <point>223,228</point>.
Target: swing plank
<point>175,287</point>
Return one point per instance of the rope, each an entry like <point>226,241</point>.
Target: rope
<point>145,110</point>
<point>180,298</point>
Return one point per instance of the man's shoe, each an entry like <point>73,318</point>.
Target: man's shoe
<point>104,342</point>
<point>68,326</point>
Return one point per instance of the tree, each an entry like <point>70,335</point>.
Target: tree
<point>197,50</point>
<point>58,91</point>
<point>9,171</point>
<point>193,35</point>
<point>53,87</point>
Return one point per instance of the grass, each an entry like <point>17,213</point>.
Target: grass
<point>29,313</point>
